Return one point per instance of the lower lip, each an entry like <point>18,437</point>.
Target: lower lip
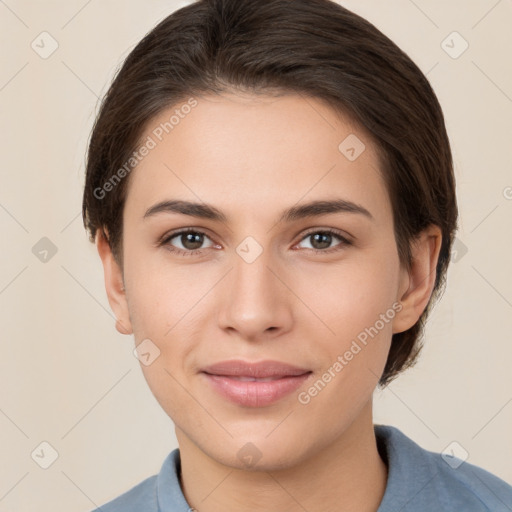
<point>255,393</point>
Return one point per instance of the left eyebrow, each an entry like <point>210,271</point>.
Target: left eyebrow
<point>311,209</point>
<point>316,208</point>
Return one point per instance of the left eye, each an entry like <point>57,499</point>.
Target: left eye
<point>321,240</point>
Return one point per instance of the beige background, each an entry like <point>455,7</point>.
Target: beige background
<point>68,378</point>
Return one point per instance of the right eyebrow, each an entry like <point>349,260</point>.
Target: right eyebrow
<point>201,210</point>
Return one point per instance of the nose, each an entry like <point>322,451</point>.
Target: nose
<point>254,299</point>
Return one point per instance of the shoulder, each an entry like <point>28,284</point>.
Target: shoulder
<point>142,497</point>
<point>152,494</point>
<point>421,480</point>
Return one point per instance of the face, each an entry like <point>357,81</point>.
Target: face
<point>316,289</point>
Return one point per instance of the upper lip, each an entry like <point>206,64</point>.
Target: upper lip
<point>260,369</point>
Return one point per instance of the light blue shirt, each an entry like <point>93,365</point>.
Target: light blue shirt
<point>418,481</point>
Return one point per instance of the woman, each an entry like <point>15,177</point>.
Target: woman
<point>270,188</point>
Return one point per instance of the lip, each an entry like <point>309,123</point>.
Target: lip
<point>255,384</point>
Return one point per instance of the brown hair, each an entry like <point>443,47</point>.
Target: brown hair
<point>312,47</point>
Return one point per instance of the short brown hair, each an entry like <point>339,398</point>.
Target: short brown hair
<point>312,47</point>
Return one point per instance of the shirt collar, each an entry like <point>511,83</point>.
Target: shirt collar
<point>170,495</point>
<point>403,483</point>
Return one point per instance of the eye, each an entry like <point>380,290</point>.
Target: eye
<point>191,241</point>
<point>322,239</point>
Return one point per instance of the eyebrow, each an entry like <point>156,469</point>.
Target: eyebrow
<point>311,209</point>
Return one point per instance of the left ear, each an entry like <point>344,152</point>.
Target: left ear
<point>114,286</point>
<point>416,286</point>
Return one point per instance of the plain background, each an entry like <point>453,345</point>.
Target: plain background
<point>69,379</point>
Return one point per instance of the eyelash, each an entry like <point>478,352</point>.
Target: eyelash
<point>167,238</point>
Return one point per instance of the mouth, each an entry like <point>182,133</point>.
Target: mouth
<point>244,378</point>
<point>254,384</point>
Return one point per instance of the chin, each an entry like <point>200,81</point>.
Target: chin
<point>258,452</point>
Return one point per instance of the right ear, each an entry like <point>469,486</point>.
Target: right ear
<point>114,284</point>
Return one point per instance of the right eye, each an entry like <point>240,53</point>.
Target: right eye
<point>190,240</point>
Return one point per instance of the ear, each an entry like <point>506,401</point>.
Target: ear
<point>114,284</point>
<point>416,286</point>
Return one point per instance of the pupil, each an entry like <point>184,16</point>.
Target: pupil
<point>326,240</point>
<point>194,239</point>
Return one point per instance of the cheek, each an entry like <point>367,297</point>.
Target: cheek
<point>356,303</point>
<point>162,310</point>
<point>161,295</point>
<point>359,310</point>
<point>351,295</point>
<point>165,307</point>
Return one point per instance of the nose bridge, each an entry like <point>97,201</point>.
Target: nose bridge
<point>252,276</point>
<point>255,298</point>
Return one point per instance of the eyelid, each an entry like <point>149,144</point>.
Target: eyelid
<point>338,232</point>
<point>180,231</point>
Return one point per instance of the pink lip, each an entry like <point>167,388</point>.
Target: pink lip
<point>280,380</point>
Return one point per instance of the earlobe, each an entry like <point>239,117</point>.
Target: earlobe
<point>416,286</point>
<point>114,285</point>
<point>122,329</point>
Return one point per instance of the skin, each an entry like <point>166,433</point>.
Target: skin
<point>252,157</point>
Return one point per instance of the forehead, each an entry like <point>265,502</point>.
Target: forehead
<point>255,150</point>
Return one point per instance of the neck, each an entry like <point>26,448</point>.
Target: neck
<point>345,476</point>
